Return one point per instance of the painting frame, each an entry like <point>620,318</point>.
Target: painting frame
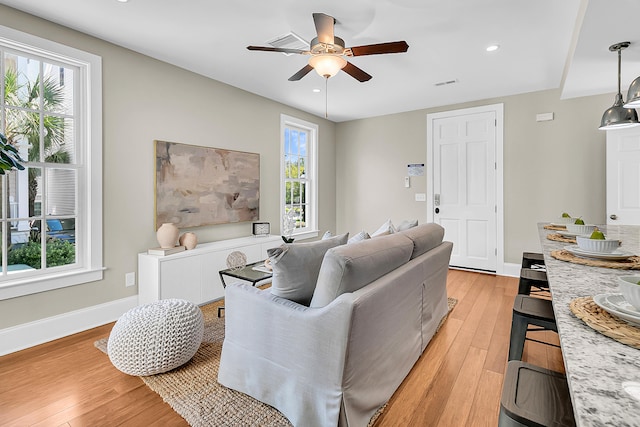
<point>197,186</point>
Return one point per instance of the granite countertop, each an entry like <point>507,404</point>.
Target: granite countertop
<point>598,368</point>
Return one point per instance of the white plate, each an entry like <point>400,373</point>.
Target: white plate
<point>616,255</point>
<point>615,304</point>
<point>621,304</point>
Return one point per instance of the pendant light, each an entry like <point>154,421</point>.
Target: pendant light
<point>618,117</point>
<point>633,96</point>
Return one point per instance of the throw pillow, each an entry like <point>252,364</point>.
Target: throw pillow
<point>327,235</point>
<point>363,235</point>
<point>296,266</point>
<point>386,228</point>
<point>406,224</point>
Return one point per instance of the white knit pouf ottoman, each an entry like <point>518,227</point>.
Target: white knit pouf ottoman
<point>156,337</point>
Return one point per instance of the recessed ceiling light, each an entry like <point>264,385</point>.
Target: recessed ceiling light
<point>493,48</point>
<point>316,90</point>
<point>123,1</point>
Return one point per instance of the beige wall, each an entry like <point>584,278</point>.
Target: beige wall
<point>549,167</point>
<point>143,100</point>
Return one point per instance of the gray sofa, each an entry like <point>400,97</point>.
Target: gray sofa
<point>375,307</point>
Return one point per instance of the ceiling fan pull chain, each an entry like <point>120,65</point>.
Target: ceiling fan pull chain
<point>326,97</point>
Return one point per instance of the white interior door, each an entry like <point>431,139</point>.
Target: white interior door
<point>623,176</point>
<point>464,164</point>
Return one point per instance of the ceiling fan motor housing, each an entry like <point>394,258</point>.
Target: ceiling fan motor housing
<point>318,48</point>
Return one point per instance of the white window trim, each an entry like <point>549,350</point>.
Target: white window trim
<point>90,186</point>
<point>285,120</point>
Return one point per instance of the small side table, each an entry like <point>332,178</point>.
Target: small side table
<point>247,273</point>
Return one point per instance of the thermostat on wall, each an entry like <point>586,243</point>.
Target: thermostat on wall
<point>544,117</point>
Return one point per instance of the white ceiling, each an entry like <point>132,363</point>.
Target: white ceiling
<point>544,44</point>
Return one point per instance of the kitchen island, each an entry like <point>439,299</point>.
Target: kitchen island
<point>603,374</point>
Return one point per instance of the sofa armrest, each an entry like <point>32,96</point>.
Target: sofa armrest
<point>273,325</point>
<point>285,354</point>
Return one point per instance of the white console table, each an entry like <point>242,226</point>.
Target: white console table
<point>193,275</point>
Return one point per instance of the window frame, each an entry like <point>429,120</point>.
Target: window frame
<point>311,171</point>
<point>89,257</point>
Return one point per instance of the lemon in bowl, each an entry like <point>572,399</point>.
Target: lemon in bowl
<point>605,246</point>
<point>580,228</point>
<point>564,219</point>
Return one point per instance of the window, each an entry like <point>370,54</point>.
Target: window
<point>298,173</point>
<point>51,212</point>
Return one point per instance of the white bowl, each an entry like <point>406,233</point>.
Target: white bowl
<point>581,229</point>
<point>564,220</point>
<point>597,245</point>
<point>630,289</point>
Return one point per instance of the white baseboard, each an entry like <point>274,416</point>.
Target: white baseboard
<point>512,270</point>
<point>40,331</point>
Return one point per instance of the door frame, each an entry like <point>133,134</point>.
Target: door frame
<point>498,109</point>
<point>615,137</point>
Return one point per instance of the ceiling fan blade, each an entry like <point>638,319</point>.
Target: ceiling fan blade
<point>380,48</point>
<point>300,74</point>
<point>324,27</point>
<point>277,49</point>
<point>356,72</point>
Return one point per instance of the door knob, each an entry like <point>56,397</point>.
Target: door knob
<point>613,217</point>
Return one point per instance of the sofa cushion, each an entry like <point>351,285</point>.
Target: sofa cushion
<point>296,266</point>
<point>424,237</point>
<point>350,267</point>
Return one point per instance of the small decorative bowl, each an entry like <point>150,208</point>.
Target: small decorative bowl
<point>597,245</point>
<point>630,289</point>
<point>564,220</point>
<point>581,229</point>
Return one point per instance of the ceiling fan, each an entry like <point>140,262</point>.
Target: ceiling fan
<point>328,52</point>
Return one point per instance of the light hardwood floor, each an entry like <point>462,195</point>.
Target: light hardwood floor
<point>456,382</point>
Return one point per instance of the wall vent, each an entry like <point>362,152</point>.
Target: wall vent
<point>447,82</point>
<point>289,41</point>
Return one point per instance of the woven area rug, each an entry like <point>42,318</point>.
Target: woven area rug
<point>194,392</point>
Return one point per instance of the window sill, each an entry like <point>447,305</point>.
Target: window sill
<point>306,235</point>
<point>36,284</point>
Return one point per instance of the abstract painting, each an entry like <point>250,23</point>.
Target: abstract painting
<point>202,185</point>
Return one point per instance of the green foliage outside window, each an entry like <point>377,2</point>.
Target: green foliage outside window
<point>9,157</point>
<point>59,252</point>
<point>24,122</point>
<point>295,185</point>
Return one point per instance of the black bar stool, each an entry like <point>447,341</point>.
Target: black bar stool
<point>534,396</point>
<point>533,282</point>
<point>533,260</point>
<point>527,311</point>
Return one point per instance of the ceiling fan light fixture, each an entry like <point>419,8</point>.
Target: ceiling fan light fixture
<point>327,65</point>
<point>618,116</point>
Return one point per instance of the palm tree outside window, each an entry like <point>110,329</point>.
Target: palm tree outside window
<point>40,212</point>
